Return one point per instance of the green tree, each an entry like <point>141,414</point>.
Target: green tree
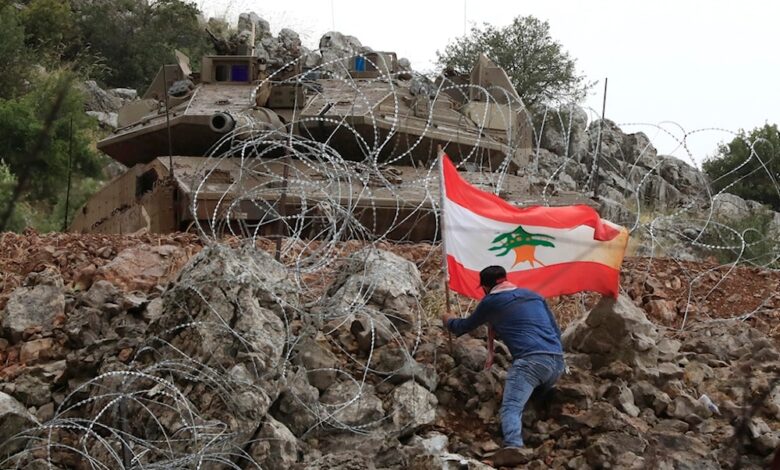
<point>523,244</point>
<point>13,52</point>
<point>136,37</point>
<point>538,66</point>
<point>22,122</point>
<point>7,184</point>
<point>749,166</point>
<point>50,25</point>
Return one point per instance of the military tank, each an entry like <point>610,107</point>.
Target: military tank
<point>257,148</point>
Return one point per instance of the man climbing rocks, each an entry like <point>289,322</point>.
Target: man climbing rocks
<point>522,319</point>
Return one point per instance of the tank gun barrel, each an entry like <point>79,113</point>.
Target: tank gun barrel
<point>222,123</point>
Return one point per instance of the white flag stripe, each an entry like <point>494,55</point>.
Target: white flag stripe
<point>470,237</point>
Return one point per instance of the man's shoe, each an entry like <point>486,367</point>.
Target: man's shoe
<point>511,456</point>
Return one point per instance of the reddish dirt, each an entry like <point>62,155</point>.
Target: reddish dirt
<point>707,290</point>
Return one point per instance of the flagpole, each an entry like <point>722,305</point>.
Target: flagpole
<point>447,303</point>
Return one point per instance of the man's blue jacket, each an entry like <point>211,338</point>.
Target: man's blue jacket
<point>520,318</point>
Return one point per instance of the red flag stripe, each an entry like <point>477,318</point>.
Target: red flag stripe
<point>459,191</point>
<point>558,279</point>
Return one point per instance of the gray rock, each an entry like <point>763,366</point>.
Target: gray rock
<point>29,389</point>
<point>100,294</point>
<point>626,400</point>
<point>616,211</point>
<point>336,50</point>
<point>767,443</point>
<point>318,360</point>
<point>614,330</point>
<point>758,427</point>
<point>688,409</point>
<point>298,405</point>
<point>470,352</point>
<point>434,443</point>
<point>382,448</point>
<point>98,99</point>
<point>370,328</point>
<point>723,339</point>
<point>107,120</point>
<point>36,303</point>
<point>608,448</point>
<point>602,417</point>
<point>275,447</point>
<point>671,425</point>
<point>644,393</point>
<point>413,406</point>
<point>351,404</point>
<point>731,207</point>
<point>576,392</point>
<point>224,314</point>
<point>399,366</point>
<point>686,178</point>
<point>447,461</point>
<point>381,279</point>
<point>246,20</point>
<point>345,460</point>
<point>565,132</point>
<point>124,94</point>
<point>680,450</point>
<point>14,420</point>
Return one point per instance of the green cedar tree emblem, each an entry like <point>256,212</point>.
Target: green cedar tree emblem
<point>523,244</point>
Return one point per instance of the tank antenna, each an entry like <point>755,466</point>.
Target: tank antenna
<point>168,121</point>
<point>597,157</point>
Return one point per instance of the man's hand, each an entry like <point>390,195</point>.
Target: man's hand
<point>445,318</point>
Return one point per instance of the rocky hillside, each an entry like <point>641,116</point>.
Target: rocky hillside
<point>148,350</point>
<point>666,201</point>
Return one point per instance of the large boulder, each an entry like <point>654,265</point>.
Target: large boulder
<point>36,304</point>
<point>348,404</point>
<point>336,50</point>
<point>730,207</point>
<point>380,279</point>
<point>222,328</point>
<point>564,132</point>
<point>615,330</point>
<point>98,99</point>
<point>413,406</point>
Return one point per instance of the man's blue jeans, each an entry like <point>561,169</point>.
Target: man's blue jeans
<point>526,374</point>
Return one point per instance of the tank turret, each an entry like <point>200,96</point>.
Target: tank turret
<point>254,143</point>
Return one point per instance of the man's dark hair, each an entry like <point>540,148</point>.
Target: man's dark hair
<point>491,276</point>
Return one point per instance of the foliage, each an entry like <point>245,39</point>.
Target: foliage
<point>754,231</point>
<point>7,185</point>
<point>21,130</point>
<point>538,66</point>
<point>49,25</point>
<point>136,37</point>
<point>13,51</point>
<point>749,166</point>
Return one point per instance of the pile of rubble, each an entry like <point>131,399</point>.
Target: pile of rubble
<point>229,363</point>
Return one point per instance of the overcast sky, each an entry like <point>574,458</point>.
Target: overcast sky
<point>684,65</point>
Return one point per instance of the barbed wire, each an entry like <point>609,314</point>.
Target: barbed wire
<point>190,410</point>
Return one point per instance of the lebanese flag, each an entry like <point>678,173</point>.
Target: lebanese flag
<point>549,250</point>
